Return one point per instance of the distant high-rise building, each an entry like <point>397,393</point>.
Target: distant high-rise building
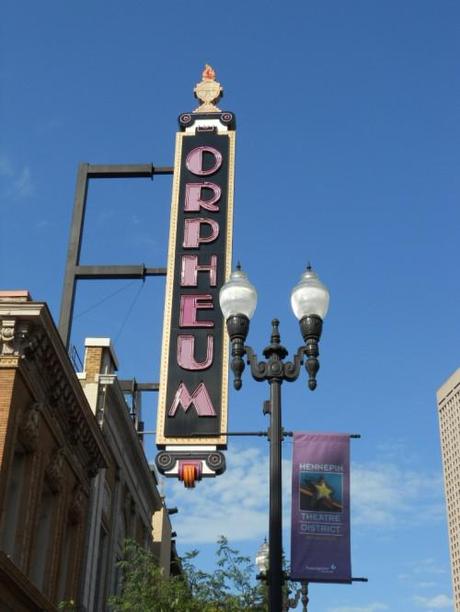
<point>448,396</point>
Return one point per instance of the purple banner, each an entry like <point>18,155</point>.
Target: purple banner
<point>320,519</point>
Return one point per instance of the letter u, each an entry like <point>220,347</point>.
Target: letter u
<point>186,353</point>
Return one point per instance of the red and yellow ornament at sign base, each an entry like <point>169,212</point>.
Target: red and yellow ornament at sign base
<point>189,473</point>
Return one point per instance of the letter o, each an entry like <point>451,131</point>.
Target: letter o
<point>194,160</point>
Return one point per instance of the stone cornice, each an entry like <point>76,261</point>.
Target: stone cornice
<point>30,341</point>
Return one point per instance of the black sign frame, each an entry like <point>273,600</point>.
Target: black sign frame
<point>192,405</point>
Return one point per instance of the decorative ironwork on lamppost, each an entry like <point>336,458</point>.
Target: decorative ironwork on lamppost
<point>262,560</point>
<point>309,301</point>
<point>301,594</point>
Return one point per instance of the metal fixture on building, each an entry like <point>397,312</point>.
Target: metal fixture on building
<point>74,270</point>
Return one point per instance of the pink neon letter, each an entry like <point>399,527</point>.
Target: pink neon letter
<point>190,269</point>
<point>186,353</point>
<point>192,230</point>
<point>194,161</point>
<point>200,398</point>
<point>193,199</point>
<point>189,304</point>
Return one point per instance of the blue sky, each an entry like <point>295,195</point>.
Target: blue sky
<point>347,155</point>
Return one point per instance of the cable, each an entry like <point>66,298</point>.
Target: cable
<point>130,309</point>
<point>107,297</point>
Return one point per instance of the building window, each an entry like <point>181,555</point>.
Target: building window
<point>43,532</point>
<point>101,570</point>
<point>13,504</point>
<point>66,564</point>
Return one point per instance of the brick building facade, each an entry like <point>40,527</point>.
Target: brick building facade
<point>50,450</point>
<point>75,482</point>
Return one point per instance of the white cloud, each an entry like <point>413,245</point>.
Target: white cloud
<point>423,568</point>
<point>390,495</point>
<point>42,224</point>
<point>234,505</point>
<point>373,607</point>
<point>5,166</point>
<point>437,602</point>
<point>22,186</point>
<point>17,184</point>
<point>50,125</point>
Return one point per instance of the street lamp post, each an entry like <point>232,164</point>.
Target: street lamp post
<point>310,301</point>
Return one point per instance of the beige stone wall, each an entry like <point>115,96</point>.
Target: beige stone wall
<point>93,362</point>
<point>162,538</point>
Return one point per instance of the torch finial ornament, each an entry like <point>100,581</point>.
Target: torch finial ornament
<point>208,91</point>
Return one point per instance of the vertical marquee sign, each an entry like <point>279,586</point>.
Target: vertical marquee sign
<point>192,410</point>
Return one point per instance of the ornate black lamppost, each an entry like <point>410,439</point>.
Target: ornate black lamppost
<point>310,301</point>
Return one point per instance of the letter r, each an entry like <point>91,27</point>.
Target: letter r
<point>194,201</point>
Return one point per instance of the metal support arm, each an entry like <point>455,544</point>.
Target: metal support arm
<point>74,271</point>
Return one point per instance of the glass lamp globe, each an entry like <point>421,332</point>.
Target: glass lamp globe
<point>238,295</point>
<point>310,296</point>
<point>262,557</point>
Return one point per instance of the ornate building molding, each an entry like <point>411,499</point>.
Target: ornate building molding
<point>29,341</point>
<point>77,506</point>
<point>54,472</point>
<point>13,338</point>
<point>29,426</point>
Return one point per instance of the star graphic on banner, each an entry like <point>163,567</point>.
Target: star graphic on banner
<point>322,490</point>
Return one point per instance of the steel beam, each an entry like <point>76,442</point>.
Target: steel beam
<point>74,271</point>
<point>132,386</point>
<point>126,170</point>
<point>73,253</point>
<point>105,272</point>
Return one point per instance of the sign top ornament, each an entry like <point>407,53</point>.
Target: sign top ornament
<point>208,91</point>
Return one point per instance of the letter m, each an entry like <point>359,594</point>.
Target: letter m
<point>199,398</point>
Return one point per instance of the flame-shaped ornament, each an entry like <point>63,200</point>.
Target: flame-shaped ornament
<point>208,91</point>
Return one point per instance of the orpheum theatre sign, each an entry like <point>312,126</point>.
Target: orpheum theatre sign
<point>192,409</point>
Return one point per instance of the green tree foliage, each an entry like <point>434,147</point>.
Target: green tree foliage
<point>230,588</point>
